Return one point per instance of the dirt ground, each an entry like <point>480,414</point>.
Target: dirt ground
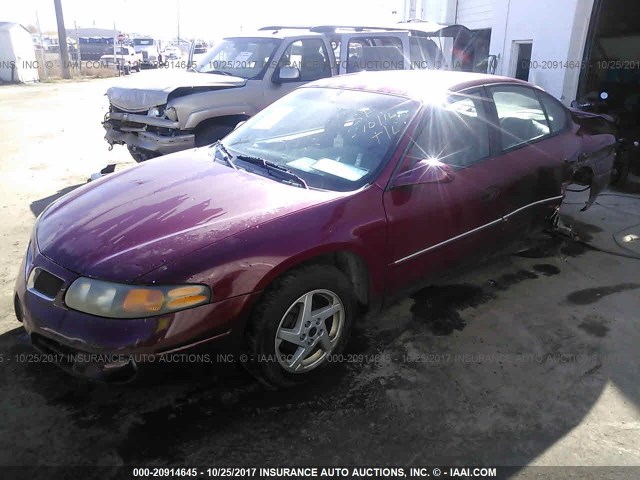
<point>531,360</point>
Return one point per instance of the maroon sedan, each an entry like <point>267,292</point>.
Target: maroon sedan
<point>332,201</point>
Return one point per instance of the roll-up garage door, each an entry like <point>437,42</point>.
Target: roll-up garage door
<point>475,14</point>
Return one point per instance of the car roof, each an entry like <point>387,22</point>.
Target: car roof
<point>422,85</point>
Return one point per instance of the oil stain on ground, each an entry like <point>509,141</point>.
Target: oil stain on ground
<point>438,306</point>
<point>593,295</point>
<point>503,282</point>
<point>594,326</point>
<point>552,246</point>
<point>546,269</point>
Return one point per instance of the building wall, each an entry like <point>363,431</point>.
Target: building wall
<point>558,31</point>
<point>475,14</point>
<point>16,50</point>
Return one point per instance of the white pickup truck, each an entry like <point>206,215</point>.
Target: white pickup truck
<point>125,59</point>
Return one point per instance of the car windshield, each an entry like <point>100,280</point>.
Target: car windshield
<point>332,139</point>
<point>143,41</point>
<point>241,57</point>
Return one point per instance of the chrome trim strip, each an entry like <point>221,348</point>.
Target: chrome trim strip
<point>477,229</point>
<point>546,200</point>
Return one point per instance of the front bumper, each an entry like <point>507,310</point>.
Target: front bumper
<point>107,349</point>
<point>133,130</point>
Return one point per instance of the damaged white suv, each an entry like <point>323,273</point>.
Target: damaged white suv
<point>243,74</point>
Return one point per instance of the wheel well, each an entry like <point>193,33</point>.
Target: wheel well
<point>230,120</point>
<point>349,263</point>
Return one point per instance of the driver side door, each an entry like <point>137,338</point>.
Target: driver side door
<point>309,55</point>
<point>436,222</point>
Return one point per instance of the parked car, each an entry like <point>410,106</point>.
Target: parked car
<point>336,199</point>
<point>172,53</point>
<point>197,52</point>
<point>243,74</point>
<point>125,59</point>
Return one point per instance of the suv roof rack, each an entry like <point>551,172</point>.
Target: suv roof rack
<point>285,27</point>
<point>327,28</point>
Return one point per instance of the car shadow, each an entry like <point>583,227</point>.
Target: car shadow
<point>446,377</point>
<point>38,206</point>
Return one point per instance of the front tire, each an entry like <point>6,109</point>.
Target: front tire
<point>140,155</point>
<point>303,320</point>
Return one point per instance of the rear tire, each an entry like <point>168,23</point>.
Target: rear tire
<point>211,133</point>
<point>303,320</point>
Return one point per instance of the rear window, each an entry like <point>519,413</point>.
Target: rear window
<point>522,118</point>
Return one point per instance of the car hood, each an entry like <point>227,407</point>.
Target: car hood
<point>142,94</point>
<point>135,221</point>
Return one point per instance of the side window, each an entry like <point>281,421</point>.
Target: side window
<point>455,133</point>
<point>310,57</point>
<point>375,53</point>
<point>520,114</point>
<point>556,113</point>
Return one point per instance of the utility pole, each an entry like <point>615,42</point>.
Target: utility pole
<point>178,5</point>
<point>42,49</point>
<point>62,40</point>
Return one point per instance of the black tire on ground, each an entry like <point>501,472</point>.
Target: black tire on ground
<point>211,133</point>
<point>141,155</point>
<point>268,315</point>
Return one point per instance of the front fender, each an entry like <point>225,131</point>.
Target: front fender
<point>251,260</point>
<point>195,108</point>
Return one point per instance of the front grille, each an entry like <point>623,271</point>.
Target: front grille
<point>44,283</point>
<point>119,110</point>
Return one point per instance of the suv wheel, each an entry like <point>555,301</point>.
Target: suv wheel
<point>140,155</point>
<point>302,321</point>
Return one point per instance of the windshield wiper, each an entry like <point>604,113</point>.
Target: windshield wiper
<point>275,170</point>
<point>226,155</point>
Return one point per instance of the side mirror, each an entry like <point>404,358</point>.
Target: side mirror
<point>425,171</point>
<point>286,75</point>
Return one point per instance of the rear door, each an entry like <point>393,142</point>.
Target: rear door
<point>535,146</point>
<point>373,51</point>
<point>309,55</point>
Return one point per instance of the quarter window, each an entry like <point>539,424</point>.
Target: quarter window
<point>556,113</point>
<point>520,114</point>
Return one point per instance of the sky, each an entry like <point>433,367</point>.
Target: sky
<point>206,19</point>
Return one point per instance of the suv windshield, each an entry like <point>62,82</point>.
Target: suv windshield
<point>241,57</point>
<point>332,139</point>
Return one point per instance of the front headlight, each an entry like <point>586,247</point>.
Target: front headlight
<point>116,300</point>
<point>171,114</point>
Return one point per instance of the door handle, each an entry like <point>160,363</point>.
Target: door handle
<point>489,194</point>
